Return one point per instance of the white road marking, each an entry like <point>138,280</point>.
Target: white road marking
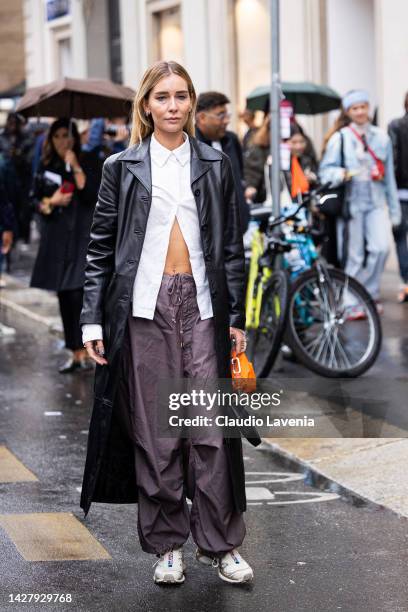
<point>52,413</point>
<point>309,497</point>
<point>273,477</point>
<point>62,437</point>
<point>256,493</point>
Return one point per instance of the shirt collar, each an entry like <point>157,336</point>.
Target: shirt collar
<point>161,154</point>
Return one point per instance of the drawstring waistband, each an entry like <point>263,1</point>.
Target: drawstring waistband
<point>175,291</point>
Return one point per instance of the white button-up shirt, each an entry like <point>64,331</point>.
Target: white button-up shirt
<point>172,198</point>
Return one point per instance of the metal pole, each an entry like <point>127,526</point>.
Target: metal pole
<point>275,96</point>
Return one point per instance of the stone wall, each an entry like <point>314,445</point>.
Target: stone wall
<point>12,65</point>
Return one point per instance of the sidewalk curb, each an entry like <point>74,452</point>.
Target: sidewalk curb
<point>26,312</point>
<point>314,477</point>
<point>9,304</point>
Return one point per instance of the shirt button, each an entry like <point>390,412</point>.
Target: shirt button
<point>197,192</point>
<point>204,227</point>
<point>207,257</point>
<point>131,261</point>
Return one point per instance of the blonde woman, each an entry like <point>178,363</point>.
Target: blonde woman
<point>164,294</point>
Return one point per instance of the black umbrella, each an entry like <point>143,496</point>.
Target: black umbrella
<point>307,98</point>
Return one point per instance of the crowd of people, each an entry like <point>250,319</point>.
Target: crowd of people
<point>54,176</point>
<point>371,164</point>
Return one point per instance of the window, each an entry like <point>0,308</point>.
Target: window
<point>64,57</point>
<point>167,36</point>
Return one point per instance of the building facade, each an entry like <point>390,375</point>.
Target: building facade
<point>12,61</point>
<point>225,44</point>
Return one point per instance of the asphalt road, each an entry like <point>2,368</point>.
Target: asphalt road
<point>312,550</point>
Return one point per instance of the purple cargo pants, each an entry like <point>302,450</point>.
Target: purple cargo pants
<point>176,344</point>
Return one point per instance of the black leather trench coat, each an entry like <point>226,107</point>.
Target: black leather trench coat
<point>114,251</point>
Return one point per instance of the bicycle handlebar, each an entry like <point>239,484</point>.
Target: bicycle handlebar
<point>303,204</point>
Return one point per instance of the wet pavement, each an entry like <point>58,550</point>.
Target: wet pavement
<point>312,549</point>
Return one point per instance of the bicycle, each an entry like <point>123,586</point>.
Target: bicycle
<point>267,296</point>
<point>318,324</point>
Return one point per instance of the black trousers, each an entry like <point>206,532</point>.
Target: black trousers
<point>70,303</point>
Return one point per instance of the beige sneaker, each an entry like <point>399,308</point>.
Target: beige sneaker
<point>170,567</point>
<point>231,566</point>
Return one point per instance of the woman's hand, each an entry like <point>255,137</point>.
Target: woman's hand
<point>60,199</point>
<point>7,241</point>
<point>71,159</point>
<point>250,193</point>
<point>240,339</point>
<point>79,175</point>
<point>122,133</point>
<point>95,350</point>
<point>311,176</point>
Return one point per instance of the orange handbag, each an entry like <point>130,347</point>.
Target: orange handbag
<point>242,373</point>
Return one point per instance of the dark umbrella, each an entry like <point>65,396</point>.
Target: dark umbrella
<point>307,98</point>
<point>78,98</point>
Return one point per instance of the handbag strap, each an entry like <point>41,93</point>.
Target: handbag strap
<point>364,143</point>
<point>342,160</point>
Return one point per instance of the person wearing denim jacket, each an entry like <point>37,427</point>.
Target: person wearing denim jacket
<point>368,192</point>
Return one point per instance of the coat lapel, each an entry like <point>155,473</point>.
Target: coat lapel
<point>137,160</point>
<point>200,164</point>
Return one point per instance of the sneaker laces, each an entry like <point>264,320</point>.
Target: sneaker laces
<point>171,557</point>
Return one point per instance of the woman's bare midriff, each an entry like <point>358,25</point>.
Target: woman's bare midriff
<point>178,257</point>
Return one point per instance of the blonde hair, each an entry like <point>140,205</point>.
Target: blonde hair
<point>142,124</point>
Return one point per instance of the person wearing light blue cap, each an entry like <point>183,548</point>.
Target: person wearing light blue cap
<point>360,154</point>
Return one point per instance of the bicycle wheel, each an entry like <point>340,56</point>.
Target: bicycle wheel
<point>265,340</point>
<point>323,332</point>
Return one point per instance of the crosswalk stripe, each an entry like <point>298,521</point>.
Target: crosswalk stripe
<point>11,468</point>
<point>52,536</point>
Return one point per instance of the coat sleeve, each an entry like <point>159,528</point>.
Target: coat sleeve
<point>390,187</point>
<point>101,248</point>
<point>330,170</point>
<point>92,168</point>
<point>393,134</point>
<point>37,189</point>
<point>254,162</point>
<point>234,258</point>
<point>7,216</point>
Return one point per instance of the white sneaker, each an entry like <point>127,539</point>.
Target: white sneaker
<point>231,566</point>
<point>170,567</point>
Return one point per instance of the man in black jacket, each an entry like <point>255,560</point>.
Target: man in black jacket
<point>398,131</point>
<point>212,119</point>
